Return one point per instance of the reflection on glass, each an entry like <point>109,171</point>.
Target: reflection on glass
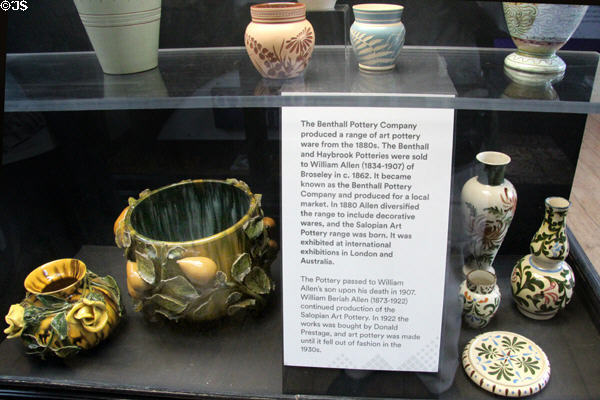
<point>143,84</point>
<point>530,85</point>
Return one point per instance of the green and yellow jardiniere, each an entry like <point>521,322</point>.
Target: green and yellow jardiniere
<point>67,308</point>
<point>197,250</point>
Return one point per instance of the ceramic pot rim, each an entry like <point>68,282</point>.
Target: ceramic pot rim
<point>230,230</point>
<point>477,276</point>
<point>28,283</point>
<point>377,7</point>
<point>493,158</point>
<point>557,203</point>
<point>278,12</point>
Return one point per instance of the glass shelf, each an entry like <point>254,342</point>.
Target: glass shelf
<point>429,77</point>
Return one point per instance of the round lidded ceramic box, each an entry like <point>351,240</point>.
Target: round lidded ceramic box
<point>279,40</point>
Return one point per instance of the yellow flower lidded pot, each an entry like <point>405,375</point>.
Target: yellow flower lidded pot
<point>67,308</point>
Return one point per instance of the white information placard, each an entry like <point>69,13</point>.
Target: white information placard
<point>365,205</point>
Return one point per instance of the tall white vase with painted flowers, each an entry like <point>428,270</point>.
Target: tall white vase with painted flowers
<point>489,202</point>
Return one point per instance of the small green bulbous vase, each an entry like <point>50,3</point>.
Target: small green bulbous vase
<point>542,282</point>
<point>197,250</point>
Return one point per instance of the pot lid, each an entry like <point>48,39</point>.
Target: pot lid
<point>506,364</point>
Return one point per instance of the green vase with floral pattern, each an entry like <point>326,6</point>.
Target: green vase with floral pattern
<point>542,282</point>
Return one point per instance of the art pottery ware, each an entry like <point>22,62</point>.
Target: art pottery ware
<point>506,364</point>
<point>124,33</point>
<point>67,308</point>
<point>197,250</point>
<point>480,298</point>
<point>542,282</point>
<point>489,202</point>
<point>319,5</point>
<point>377,35</point>
<point>539,30</point>
<point>279,40</point>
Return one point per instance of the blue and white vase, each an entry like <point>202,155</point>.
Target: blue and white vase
<point>377,35</point>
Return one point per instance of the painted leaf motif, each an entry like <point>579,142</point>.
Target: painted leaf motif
<point>487,351</point>
<point>258,281</point>
<point>529,365</point>
<point>67,351</point>
<point>515,345</point>
<point>241,267</point>
<point>502,371</point>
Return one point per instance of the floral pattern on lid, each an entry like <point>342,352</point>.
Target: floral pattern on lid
<point>506,364</point>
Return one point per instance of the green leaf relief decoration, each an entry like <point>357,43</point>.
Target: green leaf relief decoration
<point>168,303</point>
<point>94,296</point>
<point>241,267</point>
<point>234,308</point>
<point>254,227</point>
<point>178,288</point>
<point>145,268</point>
<point>52,302</point>
<point>258,281</point>
<point>233,297</point>
<point>59,325</point>
<point>487,351</point>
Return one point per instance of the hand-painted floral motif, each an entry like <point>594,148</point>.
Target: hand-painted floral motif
<point>506,364</point>
<point>287,59</point>
<point>542,282</point>
<point>489,202</point>
<point>540,293</point>
<point>480,298</point>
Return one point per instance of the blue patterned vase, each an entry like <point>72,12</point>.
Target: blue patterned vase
<point>377,35</point>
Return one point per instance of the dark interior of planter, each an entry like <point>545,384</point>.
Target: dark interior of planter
<point>190,211</point>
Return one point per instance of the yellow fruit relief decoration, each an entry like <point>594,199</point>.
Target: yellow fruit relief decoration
<point>67,308</point>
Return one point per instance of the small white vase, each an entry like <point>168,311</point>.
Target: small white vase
<point>488,203</point>
<point>124,33</point>
<point>480,298</point>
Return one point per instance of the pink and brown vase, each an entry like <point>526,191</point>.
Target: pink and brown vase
<point>279,40</point>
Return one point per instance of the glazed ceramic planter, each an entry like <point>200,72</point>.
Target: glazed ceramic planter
<point>480,298</point>
<point>124,33</point>
<point>489,202</point>
<point>67,309</point>
<point>196,250</point>
<point>542,282</point>
<point>539,30</point>
<point>279,40</point>
<point>377,35</point>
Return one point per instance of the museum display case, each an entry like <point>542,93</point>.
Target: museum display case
<point>79,145</point>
